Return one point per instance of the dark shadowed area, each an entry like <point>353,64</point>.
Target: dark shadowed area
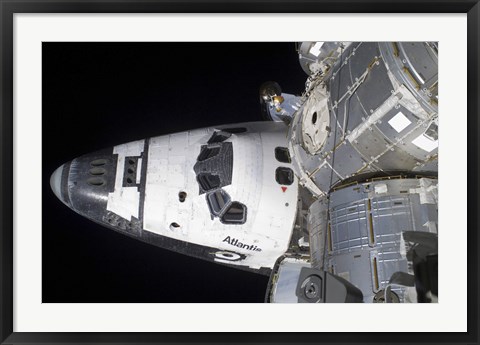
<point>97,95</point>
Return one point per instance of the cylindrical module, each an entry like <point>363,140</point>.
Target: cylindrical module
<point>372,108</point>
<point>367,233</point>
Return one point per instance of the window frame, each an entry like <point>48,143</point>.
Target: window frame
<point>285,150</point>
<point>284,169</point>
<point>230,222</point>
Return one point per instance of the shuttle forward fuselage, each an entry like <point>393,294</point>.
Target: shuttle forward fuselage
<point>226,194</point>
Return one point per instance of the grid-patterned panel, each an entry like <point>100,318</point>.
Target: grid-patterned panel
<point>349,227</point>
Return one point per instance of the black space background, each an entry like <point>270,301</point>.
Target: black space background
<point>97,95</point>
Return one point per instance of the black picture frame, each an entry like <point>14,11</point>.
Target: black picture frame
<point>9,8</point>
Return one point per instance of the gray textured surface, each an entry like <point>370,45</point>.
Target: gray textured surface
<point>362,239</point>
<point>367,88</point>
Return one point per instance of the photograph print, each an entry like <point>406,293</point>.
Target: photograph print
<point>265,172</point>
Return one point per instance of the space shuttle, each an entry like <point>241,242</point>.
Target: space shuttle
<point>334,195</point>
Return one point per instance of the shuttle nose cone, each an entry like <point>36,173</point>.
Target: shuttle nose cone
<point>84,183</point>
<point>56,183</point>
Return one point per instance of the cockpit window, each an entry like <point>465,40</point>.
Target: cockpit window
<point>235,130</point>
<point>218,137</point>
<point>217,201</point>
<point>235,214</point>
<point>208,152</point>
<point>282,155</point>
<point>208,181</point>
<point>214,166</point>
<point>284,176</point>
